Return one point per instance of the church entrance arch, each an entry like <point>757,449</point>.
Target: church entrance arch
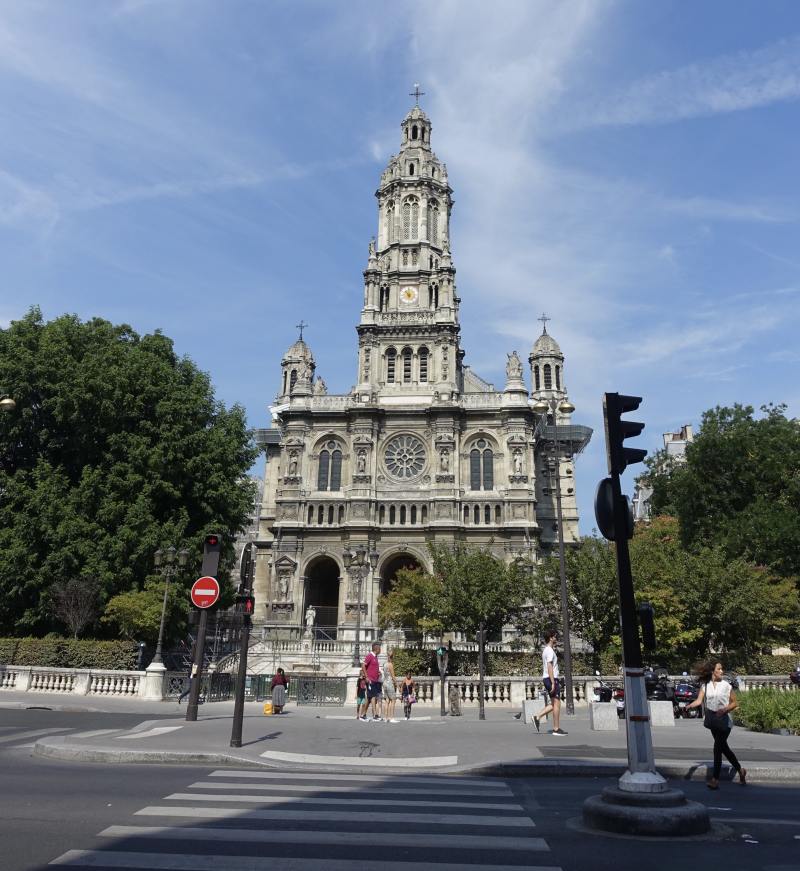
<point>322,594</point>
<point>393,565</point>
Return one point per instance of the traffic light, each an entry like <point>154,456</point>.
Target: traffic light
<point>247,602</point>
<point>604,511</point>
<point>617,430</point>
<point>647,622</point>
<point>212,548</point>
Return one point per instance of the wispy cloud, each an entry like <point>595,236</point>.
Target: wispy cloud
<point>731,83</point>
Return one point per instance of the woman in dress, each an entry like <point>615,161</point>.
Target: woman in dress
<point>720,700</point>
<point>278,687</point>
<point>408,694</point>
<point>389,691</point>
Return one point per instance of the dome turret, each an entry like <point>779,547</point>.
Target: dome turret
<point>547,366</point>
<point>297,367</point>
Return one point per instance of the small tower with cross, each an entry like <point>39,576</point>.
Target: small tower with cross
<point>547,366</point>
<point>297,368</point>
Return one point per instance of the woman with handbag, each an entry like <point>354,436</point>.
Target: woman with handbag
<point>408,694</point>
<point>278,686</point>
<point>720,700</point>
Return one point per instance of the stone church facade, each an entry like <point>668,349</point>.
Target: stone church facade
<point>421,449</point>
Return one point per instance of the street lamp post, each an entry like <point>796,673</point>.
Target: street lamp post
<point>543,407</point>
<point>355,562</point>
<point>164,562</point>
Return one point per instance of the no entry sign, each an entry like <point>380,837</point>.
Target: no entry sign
<point>205,592</point>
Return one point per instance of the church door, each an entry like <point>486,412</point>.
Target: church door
<point>322,593</point>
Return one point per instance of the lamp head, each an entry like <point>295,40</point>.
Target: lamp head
<point>347,558</point>
<point>183,557</point>
<point>7,404</point>
<point>541,407</point>
<point>157,557</point>
<point>566,407</point>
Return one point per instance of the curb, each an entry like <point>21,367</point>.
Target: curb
<point>56,748</point>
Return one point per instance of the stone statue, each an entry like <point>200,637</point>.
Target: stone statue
<point>283,586</point>
<point>292,464</point>
<point>517,462</point>
<point>304,371</point>
<point>444,461</point>
<point>311,615</point>
<point>320,387</point>
<point>371,247</point>
<point>361,464</point>
<point>513,366</point>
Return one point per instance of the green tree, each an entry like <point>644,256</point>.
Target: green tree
<point>116,447</point>
<point>137,613</point>
<point>409,603</point>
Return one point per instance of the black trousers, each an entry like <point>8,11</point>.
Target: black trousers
<point>721,749</point>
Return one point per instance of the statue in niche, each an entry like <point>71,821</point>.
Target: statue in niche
<point>517,462</point>
<point>304,371</point>
<point>513,366</point>
<point>361,462</point>
<point>320,387</point>
<point>292,464</point>
<point>311,616</point>
<point>283,586</point>
<point>444,461</point>
<point>372,247</point>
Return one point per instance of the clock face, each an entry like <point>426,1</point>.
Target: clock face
<point>408,295</point>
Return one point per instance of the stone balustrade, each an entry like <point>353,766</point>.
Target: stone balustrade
<point>74,681</point>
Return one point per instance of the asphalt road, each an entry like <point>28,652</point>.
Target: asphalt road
<point>168,816</point>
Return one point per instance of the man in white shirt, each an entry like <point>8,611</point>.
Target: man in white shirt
<point>552,683</point>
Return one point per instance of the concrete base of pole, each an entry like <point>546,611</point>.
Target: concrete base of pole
<point>154,682</point>
<point>645,814</point>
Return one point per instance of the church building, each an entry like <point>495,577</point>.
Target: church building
<point>421,449</point>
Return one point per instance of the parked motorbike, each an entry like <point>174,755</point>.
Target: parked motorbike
<point>657,685</point>
<point>686,691</point>
<point>794,677</point>
<point>603,692</point>
<point>618,694</point>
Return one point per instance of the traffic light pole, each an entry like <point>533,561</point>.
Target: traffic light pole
<point>241,677</point>
<point>197,667</point>
<point>564,601</point>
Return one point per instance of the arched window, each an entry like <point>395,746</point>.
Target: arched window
<point>292,380</point>
<point>406,220</point>
<point>424,513</point>
<point>391,515</point>
<point>390,222</point>
<point>320,515</point>
<point>411,169</point>
<point>414,218</point>
<point>487,515</point>
<point>536,377</point>
<point>330,515</point>
<point>433,222</point>
<point>481,467</point>
<point>285,374</point>
<point>402,515</point>
<point>391,359</point>
<point>329,476</point>
<point>310,514</point>
<point>341,515</point>
<point>414,132</point>
<point>413,514</point>
<point>382,514</point>
<point>548,377</point>
<point>435,296</point>
<point>476,515</point>
<point>407,359</point>
<point>497,514</point>
<point>423,365</point>
<point>466,514</point>
<point>558,378</point>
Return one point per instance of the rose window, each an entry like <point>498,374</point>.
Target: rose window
<point>405,457</point>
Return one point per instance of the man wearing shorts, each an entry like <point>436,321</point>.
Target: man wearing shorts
<point>552,683</point>
<point>372,668</point>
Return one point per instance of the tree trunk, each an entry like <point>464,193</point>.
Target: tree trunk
<point>481,683</point>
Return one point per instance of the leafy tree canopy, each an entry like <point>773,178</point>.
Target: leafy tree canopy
<point>116,447</point>
<point>738,488</point>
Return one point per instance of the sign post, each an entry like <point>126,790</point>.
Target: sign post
<point>204,595</point>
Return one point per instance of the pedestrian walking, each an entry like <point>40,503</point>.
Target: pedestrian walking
<point>552,684</point>
<point>389,688</point>
<point>408,694</point>
<point>372,669</point>
<point>720,699</point>
<point>278,686</point>
<point>188,684</point>
<point>361,694</point>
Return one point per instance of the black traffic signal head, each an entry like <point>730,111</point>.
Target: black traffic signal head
<point>212,548</point>
<point>617,430</point>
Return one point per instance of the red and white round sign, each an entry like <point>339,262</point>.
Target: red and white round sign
<point>205,592</point>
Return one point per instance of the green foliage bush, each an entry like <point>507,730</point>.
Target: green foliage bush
<point>764,709</point>
<point>56,652</point>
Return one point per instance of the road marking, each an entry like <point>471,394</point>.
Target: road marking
<point>283,799</point>
<point>336,816</point>
<point>381,779</point>
<point>189,862</point>
<point>755,821</point>
<point>366,761</point>
<point>310,836</point>
<point>151,733</point>
<point>31,734</point>
<point>95,733</point>
<point>393,722</point>
<point>350,788</point>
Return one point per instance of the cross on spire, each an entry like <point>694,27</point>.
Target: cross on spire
<point>416,93</point>
<point>544,319</point>
<point>301,326</point>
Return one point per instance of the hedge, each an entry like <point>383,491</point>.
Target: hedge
<point>57,652</point>
<point>763,709</point>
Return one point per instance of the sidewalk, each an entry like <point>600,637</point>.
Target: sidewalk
<point>331,738</point>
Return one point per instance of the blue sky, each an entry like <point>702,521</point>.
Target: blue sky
<point>208,168</point>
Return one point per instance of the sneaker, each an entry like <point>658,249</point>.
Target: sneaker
<point>559,732</point>
<point>377,719</point>
<point>364,719</point>
<point>536,723</point>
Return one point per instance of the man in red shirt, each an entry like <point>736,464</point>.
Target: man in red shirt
<point>374,687</point>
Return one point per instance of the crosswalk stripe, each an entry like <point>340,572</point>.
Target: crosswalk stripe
<point>421,840</point>
<point>150,733</point>
<point>188,862</point>
<point>381,817</point>
<point>94,733</point>
<point>350,788</point>
<point>31,734</point>
<point>365,761</point>
<point>443,780</point>
<point>368,800</point>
